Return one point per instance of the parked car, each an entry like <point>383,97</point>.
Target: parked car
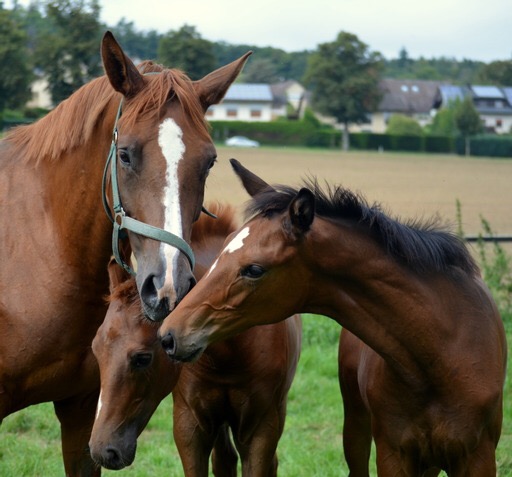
<point>241,141</point>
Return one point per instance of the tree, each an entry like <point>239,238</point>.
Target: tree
<point>344,76</point>
<point>260,70</point>
<point>137,44</point>
<point>497,72</point>
<point>443,123</point>
<point>467,120</point>
<point>68,52</point>
<point>402,125</point>
<point>15,71</point>
<point>185,49</point>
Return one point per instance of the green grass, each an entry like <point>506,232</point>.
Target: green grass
<point>311,444</point>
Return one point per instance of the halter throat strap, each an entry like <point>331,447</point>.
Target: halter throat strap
<point>122,222</point>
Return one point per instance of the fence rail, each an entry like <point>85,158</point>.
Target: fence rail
<point>488,238</point>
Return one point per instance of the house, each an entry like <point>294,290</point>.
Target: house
<point>244,102</point>
<point>493,103</point>
<point>290,99</point>
<point>413,98</point>
<point>41,97</point>
<point>260,102</point>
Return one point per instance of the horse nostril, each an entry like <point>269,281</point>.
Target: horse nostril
<point>169,344</point>
<point>154,309</point>
<point>113,459</point>
<point>148,291</point>
<point>192,282</point>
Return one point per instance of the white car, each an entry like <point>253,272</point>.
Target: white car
<point>241,141</point>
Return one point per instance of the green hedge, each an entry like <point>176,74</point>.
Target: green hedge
<point>308,134</point>
<point>490,146</point>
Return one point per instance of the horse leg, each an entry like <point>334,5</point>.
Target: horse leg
<point>224,456</point>
<point>357,432</point>
<point>256,441</point>
<point>480,463</point>
<point>193,443</point>
<point>76,416</point>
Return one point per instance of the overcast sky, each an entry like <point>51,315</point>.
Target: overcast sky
<point>472,29</point>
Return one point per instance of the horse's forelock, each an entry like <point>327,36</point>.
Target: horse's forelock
<point>166,84</point>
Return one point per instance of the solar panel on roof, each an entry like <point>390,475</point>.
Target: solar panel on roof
<point>249,92</point>
<point>487,92</point>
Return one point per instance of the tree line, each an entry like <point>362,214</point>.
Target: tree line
<point>59,39</point>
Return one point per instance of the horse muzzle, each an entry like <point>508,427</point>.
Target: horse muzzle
<point>159,298</point>
<point>184,354</point>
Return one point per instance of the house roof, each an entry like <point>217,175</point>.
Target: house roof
<point>407,96</point>
<point>507,91</point>
<point>485,98</point>
<point>487,92</point>
<point>249,92</point>
<point>448,92</point>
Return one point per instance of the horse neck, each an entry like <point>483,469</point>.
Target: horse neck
<point>392,310</point>
<point>75,200</point>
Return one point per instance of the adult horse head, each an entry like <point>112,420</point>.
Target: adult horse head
<point>164,154</point>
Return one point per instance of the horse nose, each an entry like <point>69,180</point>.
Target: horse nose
<point>112,459</point>
<point>169,344</point>
<point>155,308</point>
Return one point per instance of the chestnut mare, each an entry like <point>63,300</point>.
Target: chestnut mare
<point>54,227</point>
<point>425,374</point>
<point>240,383</point>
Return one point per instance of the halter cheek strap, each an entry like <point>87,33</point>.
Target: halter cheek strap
<point>121,222</point>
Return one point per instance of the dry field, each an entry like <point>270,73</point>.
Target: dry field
<point>407,185</point>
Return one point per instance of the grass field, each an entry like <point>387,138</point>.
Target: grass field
<point>408,186</point>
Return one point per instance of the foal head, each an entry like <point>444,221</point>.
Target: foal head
<point>258,278</point>
<point>164,154</point>
<point>135,374</point>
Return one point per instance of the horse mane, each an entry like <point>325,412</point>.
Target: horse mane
<point>207,227</point>
<point>423,246</point>
<point>72,123</point>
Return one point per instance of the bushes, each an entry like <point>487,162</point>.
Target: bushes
<point>490,145</point>
<point>307,133</point>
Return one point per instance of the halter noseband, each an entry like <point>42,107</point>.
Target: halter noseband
<point>122,222</point>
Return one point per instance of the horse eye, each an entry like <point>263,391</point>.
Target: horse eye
<point>210,165</point>
<point>252,271</point>
<point>124,157</point>
<point>141,360</point>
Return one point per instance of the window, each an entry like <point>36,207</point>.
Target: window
<point>499,123</point>
<point>232,113</point>
<point>255,113</point>
<point>209,113</point>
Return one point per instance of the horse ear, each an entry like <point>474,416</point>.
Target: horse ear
<point>302,212</point>
<point>116,274</point>
<point>251,182</point>
<point>212,88</point>
<point>122,73</point>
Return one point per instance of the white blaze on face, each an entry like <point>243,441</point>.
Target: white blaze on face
<point>173,149</point>
<point>235,244</point>
<point>98,407</point>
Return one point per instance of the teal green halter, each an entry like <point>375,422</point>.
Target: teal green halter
<point>122,222</point>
